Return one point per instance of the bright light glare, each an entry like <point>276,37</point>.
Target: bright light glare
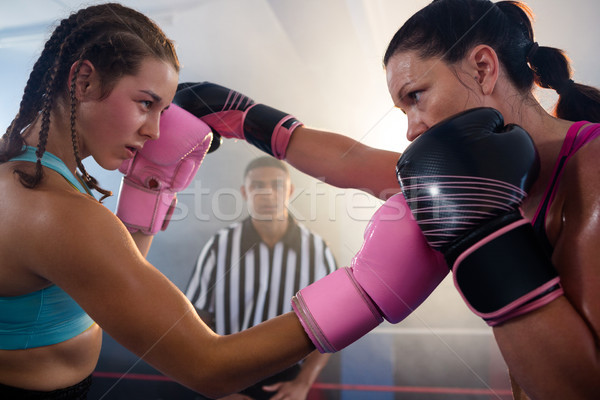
<point>389,133</point>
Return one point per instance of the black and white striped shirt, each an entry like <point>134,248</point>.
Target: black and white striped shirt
<point>242,282</point>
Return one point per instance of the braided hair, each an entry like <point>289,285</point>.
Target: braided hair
<point>115,39</point>
<point>450,28</point>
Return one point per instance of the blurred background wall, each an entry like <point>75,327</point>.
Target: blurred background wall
<point>321,61</point>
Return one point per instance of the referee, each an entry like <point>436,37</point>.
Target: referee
<point>248,272</point>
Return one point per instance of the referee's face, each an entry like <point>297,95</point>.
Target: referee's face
<point>267,191</point>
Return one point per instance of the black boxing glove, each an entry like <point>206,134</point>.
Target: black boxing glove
<point>464,180</point>
<point>233,115</point>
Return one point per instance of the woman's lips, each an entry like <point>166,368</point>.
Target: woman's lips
<point>131,151</point>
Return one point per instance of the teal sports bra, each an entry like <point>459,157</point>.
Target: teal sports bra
<point>50,315</point>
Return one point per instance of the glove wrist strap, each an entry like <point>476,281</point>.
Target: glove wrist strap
<point>269,129</point>
<point>334,322</point>
<point>143,209</point>
<point>506,274</point>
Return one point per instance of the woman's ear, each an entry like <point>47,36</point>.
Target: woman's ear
<point>483,60</point>
<point>87,84</point>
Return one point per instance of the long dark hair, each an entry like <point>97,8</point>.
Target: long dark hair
<point>450,28</point>
<point>115,39</point>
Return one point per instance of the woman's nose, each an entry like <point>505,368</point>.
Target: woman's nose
<point>415,128</point>
<point>151,127</point>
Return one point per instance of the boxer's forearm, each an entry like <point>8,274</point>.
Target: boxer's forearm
<point>340,161</point>
<point>143,242</point>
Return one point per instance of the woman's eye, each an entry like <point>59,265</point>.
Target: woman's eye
<point>415,96</point>
<point>146,103</point>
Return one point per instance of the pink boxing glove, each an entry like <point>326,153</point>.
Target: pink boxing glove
<point>162,168</point>
<point>392,274</point>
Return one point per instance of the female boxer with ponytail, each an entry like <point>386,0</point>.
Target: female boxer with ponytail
<point>458,55</point>
<point>488,57</point>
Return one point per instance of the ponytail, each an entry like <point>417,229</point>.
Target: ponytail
<point>552,70</point>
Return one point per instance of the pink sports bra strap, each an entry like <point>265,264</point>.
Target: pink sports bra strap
<point>560,161</point>
<point>586,135</point>
<point>573,142</point>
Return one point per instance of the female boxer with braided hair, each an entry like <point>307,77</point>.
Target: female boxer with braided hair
<point>69,266</point>
<point>457,55</point>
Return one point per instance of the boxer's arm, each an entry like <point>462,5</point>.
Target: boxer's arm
<point>336,159</point>
<point>343,162</point>
<point>207,317</point>
<point>97,263</point>
<point>517,391</point>
<point>312,367</point>
<point>540,348</point>
<point>299,387</point>
<point>143,242</point>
